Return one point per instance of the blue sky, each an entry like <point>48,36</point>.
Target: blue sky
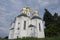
<point>9,9</point>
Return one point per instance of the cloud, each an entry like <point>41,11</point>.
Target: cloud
<point>44,3</point>
<point>57,10</point>
<point>3,32</point>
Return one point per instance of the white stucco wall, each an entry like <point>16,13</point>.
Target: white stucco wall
<point>19,23</point>
<point>39,33</point>
<point>11,33</point>
<point>22,32</point>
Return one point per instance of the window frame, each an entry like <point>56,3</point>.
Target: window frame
<point>39,27</point>
<point>24,25</point>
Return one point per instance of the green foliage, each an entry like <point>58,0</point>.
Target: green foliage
<point>6,37</point>
<point>2,38</point>
<point>58,21</point>
<point>47,38</point>
<point>51,30</point>
<point>47,17</point>
<point>52,23</point>
<point>56,15</point>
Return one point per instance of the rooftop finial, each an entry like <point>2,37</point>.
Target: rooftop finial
<point>35,13</point>
<point>23,10</point>
<point>26,10</point>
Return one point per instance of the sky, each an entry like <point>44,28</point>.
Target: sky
<point>9,9</point>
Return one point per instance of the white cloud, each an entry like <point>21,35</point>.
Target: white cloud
<point>4,30</point>
<point>44,3</point>
<point>16,3</point>
<point>2,8</point>
<point>57,10</point>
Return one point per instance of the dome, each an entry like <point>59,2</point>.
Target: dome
<point>35,17</point>
<point>22,15</point>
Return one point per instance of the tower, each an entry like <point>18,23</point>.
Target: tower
<point>26,10</point>
<point>38,22</point>
<point>35,13</point>
<point>22,23</point>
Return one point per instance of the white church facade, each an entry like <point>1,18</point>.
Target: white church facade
<point>26,25</point>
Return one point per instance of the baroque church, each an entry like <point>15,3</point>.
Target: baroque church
<point>26,25</point>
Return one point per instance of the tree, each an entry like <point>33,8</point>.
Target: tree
<point>57,21</point>
<point>52,30</point>
<point>6,37</point>
<point>48,18</point>
<point>55,17</point>
<point>52,23</point>
<point>58,24</point>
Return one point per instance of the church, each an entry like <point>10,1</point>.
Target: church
<point>27,25</point>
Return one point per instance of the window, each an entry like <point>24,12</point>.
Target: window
<point>18,28</point>
<point>39,27</point>
<point>24,25</point>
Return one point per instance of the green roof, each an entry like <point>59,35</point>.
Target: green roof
<point>22,15</point>
<point>35,17</point>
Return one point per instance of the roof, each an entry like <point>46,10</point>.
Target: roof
<point>31,25</point>
<point>22,15</point>
<point>11,28</point>
<point>35,17</point>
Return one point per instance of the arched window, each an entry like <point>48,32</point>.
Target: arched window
<point>24,25</point>
<point>18,26</point>
<point>39,27</point>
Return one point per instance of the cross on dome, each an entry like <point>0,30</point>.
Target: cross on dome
<point>35,13</point>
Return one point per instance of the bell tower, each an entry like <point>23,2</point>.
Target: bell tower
<point>26,10</point>
<point>35,13</point>
<point>23,10</point>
